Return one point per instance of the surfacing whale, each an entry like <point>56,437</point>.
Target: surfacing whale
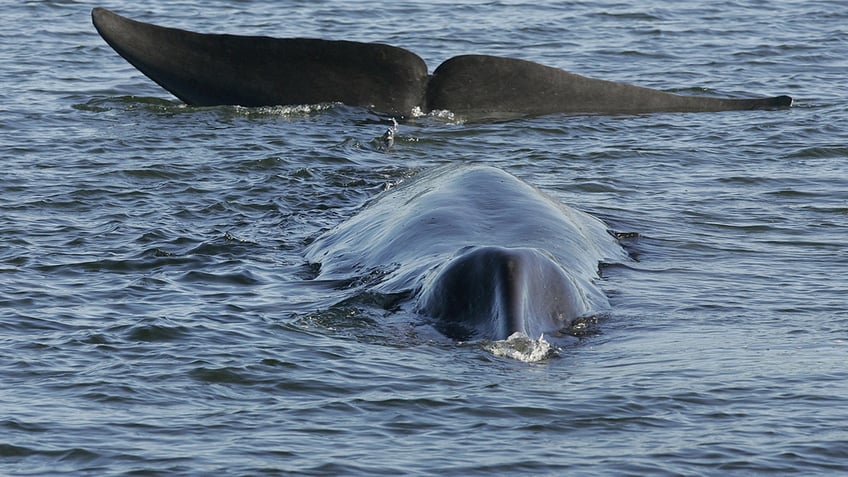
<point>481,253</point>
<point>219,69</point>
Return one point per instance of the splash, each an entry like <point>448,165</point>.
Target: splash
<point>283,110</point>
<point>523,348</point>
<point>387,140</point>
<point>438,114</point>
<point>447,116</point>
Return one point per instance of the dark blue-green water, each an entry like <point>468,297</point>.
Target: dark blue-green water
<point>156,313</point>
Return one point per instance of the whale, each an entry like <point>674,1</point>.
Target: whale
<point>477,253</point>
<point>212,69</point>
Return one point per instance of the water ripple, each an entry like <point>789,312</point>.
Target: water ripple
<point>158,317</point>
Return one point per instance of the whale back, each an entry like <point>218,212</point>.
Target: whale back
<point>414,234</point>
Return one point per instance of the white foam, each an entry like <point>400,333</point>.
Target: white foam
<point>523,348</point>
<point>285,110</point>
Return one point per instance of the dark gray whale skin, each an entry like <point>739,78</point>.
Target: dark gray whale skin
<point>491,84</point>
<point>212,69</point>
<point>219,69</point>
<point>480,253</point>
<point>493,292</point>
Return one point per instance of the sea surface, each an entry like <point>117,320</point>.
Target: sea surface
<point>158,317</point>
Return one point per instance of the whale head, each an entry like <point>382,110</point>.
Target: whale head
<point>493,292</point>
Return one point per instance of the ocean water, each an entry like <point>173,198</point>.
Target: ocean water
<point>157,315</point>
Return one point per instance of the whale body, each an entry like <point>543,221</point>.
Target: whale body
<point>482,254</point>
<point>219,69</point>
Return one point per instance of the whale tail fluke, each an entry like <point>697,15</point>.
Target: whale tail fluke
<point>215,69</point>
<point>489,84</point>
<point>218,69</point>
<point>781,101</point>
